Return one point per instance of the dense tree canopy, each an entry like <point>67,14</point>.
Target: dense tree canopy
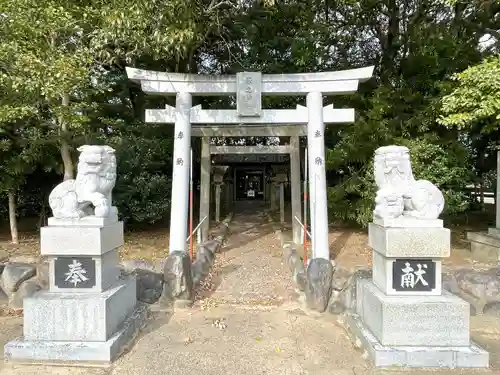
<point>62,82</point>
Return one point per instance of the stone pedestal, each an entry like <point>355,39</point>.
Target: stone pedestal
<point>403,317</point>
<point>485,246</point>
<point>90,310</point>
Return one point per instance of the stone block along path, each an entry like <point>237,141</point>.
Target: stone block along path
<point>247,320</point>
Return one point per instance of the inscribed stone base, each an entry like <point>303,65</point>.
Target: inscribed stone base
<point>101,273</point>
<point>485,246</point>
<point>471,356</point>
<point>78,316</point>
<point>22,349</point>
<point>409,242</point>
<point>413,320</point>
<point>81,240</point>
<point>383,277</point>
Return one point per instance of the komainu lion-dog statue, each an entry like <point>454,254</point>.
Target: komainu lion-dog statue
<point>399,194</point>
<point>89,194</point>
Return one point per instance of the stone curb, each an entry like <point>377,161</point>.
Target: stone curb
<point>205,255</point>
<point>315,280</point>
<point>181,276</point>
<point>290,257</point>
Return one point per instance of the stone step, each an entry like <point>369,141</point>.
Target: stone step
<point>422,357</point>
<point>494,232</point>
<point>484,238</point>
<point>484,246</point>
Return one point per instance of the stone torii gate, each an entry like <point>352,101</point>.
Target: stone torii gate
<point>249,88</point>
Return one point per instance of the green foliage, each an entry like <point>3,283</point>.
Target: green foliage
<point>477,97</point>
<point>20,152</point>
<point>448,166</point>
<point>129,29</point>
<point>352,199</point>
<point>45,68</point>
<point>142,192</point>
<point>43,54</point>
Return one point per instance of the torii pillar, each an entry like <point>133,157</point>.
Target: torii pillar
<point>205,187</point>
<point>179,204</point>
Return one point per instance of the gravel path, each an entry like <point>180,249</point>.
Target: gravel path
<point>249,270</point>
<point>275,342</point>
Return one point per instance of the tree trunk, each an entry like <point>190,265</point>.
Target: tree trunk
<point>481,196</point>
<point>12,217</point>
<point>65,151</point>
<point>42,220</point>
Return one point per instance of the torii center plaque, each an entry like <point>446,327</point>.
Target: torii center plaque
<point>249,94</point>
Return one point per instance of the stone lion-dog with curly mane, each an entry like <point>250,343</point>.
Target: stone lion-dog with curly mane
<point>89,194</point>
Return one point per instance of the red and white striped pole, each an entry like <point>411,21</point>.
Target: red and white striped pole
<point>191,248</point>
<point>305,207</point>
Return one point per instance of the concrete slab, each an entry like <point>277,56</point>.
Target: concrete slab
<point>485,238</point>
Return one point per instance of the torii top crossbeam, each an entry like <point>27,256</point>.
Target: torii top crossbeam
<point>328,83</point>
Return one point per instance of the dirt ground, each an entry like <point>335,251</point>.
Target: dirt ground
<point>349,246</point>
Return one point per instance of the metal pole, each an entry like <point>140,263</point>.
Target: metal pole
<point>196,229</point>
<point>305,207</point>
<point>302,225</point>
<point>191,247</point>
